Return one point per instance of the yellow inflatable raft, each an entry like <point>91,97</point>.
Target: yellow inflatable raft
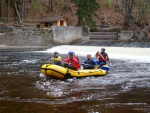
<point>64,73</point>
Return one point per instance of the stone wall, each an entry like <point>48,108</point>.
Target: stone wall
<point>66,34</point>
<point>125,35</point>
<point>26,36</point>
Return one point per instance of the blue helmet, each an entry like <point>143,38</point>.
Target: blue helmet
<point>70,53</point>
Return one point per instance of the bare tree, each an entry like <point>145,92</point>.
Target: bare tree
<point>50,5</point>
<point>15,6</point>
<point>0,8</point>
<point>128,7</point>
<point>8,8</point>
<point>23,9</point>
<point>40,8</point>
<point>116,3</point>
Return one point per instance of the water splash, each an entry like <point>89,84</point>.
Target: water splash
<point>123,53</point>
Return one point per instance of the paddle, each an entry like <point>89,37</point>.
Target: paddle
<point>107,62</point>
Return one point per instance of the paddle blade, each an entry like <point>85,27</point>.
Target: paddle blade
<point>105,67</point>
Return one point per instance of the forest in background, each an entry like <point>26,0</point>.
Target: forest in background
<point>119,14</point>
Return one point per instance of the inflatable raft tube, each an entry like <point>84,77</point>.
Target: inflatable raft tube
<point>64,73</point>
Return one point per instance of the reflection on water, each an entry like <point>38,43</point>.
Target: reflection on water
<point>24,89</point>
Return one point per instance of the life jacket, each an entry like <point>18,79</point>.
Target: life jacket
<point>74,62</point>
<point>103,57</point>
<point>77,58</point>
<point>57,58</point>
<point>89,61</point>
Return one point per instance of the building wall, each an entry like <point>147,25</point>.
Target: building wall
<point>66,34</point>
<point>42,25</point>
<point>64,22</point>
<point>55,23</point>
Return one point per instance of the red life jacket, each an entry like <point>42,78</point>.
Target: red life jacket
<point>103,57</point>
<point>73,61</point>
<point>77,58</point>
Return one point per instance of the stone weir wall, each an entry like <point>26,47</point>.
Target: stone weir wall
<point>25,36</point>
<point>68,34</point>
<point>28,36</point>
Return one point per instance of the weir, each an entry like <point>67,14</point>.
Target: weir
<point>122,53</point>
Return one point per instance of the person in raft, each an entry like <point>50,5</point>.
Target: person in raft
<point>71,62</point>
<point>102,57</point>
<point>76,57</point>
<point>89,63</point>
<point>56,59</point>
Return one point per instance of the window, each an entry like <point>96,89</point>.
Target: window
<point>46,24</point>
<point>49,24</point>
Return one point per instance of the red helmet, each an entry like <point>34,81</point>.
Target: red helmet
<point>88,55</point>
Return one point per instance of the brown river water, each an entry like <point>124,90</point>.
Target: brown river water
<point>125,89</point>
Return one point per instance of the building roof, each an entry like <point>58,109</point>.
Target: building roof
<point>51,19</point>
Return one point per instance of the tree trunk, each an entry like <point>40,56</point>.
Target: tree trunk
<point>49,6</point>
<point>8,6</point>
<point>17,12</point>
<point>0,8</point>
<point>51,3</point>
<point>40,8</point>
<point>18,4</point>
<point>23,9</point>
<point>116,3</point>
<point>128,6</point>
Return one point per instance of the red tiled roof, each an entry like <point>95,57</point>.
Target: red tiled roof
<point>50,19</point>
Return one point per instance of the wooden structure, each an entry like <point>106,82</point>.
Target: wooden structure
<point>53,21</point>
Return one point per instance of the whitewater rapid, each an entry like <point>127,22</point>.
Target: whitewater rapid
<point>122,53</point>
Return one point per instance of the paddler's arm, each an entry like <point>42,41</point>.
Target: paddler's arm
<point>97,54</point>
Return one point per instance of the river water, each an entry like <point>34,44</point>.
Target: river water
<point>125,89</point>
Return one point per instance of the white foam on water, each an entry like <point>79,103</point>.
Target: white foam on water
<point>42,75</point>
<point>123,53</point>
